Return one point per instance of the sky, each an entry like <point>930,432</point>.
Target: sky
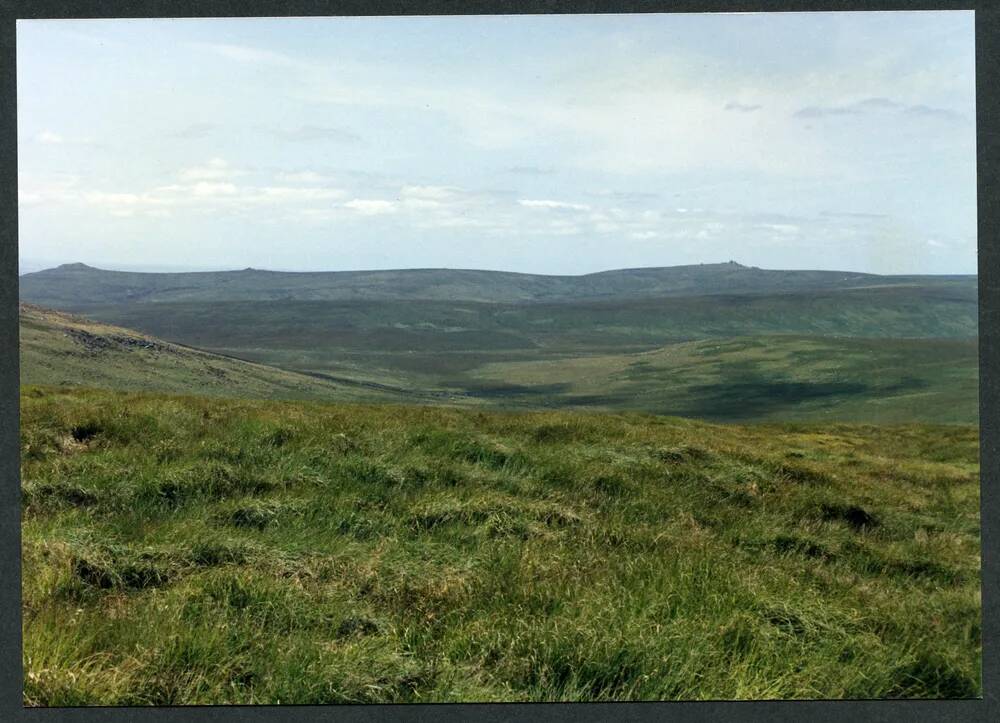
<point>542,144</point>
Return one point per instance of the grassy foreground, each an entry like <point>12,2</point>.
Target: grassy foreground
<point>193,550</point>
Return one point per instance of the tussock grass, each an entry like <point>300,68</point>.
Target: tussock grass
<point>191,550</point>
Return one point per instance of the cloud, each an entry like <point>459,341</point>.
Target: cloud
<point>845,214</point>
<point>435,193</point>
<point>813,111</point>
<point>55,189</point>
<point>302,194</point>
<point>126,205</point>
<point>431,197</point>
<point>205,189</point>
<point>309,133</point>
<point>712,228</point>
<point>556,205</point>
<point>636,117</point>
<point>626,195</point>
<point>371,207</point>
<point>112,199</point>
<point>875,105</point>
<point>929,112</point>
<point>303,177</point>
<point>215,169</point>
<point>531,170</point>
<point>784,228</point>
<point>208,188</point>
<point>51,138</point>
<point>195,130</point>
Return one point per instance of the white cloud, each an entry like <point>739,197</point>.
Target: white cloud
<point>52,138</point>
<point>564,227</point>
<point>303,177</point>
<point>48,189</point>
<point>422,204</point>
<point>712,228</point>
<point>99,198</point>
<point>625,114</point>
<point>215,169</point>
<point>302,194</point>
<point>434,193</point>
<point>195,196</point>
<point>371,207</point>
<point>193,131</point>
<point>784,228</point>
<point>544,203</point>
<point>207,188</point>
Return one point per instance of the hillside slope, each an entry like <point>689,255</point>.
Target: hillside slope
<point>180,550</point>
<point>78,286</point>
<point>450,326</point>
<point>751,378</point>
<point>64,350</point>
<point>883,348</point>
<point>756,379</point>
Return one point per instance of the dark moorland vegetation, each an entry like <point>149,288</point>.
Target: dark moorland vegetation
<point>754,378</point>
<point>78,286</point>
<point>195,550</point>
<point>715,341</point>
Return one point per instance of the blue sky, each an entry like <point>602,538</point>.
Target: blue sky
<point>547,144</point>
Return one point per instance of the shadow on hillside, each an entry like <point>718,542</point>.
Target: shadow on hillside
<point>760,396</point>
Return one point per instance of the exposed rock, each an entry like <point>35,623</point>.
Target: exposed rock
<point>96,343</point>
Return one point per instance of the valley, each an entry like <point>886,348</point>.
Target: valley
<point>715,341</point>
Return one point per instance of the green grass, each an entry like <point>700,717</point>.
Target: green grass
<point>715,341</point>
<point>945,309</point>
<point>753,378</point>
<point>194,550</point>
<point>761,378</point>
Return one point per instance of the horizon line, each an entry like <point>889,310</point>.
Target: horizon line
<point>182,270</point>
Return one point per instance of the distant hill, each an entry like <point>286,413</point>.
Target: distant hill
<point>64,350</point>
<point>78,286</point>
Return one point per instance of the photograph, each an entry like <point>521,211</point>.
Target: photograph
<point>498,358</point>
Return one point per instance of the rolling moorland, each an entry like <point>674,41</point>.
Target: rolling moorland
<point>485,499</point>
<point>825,345</point>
